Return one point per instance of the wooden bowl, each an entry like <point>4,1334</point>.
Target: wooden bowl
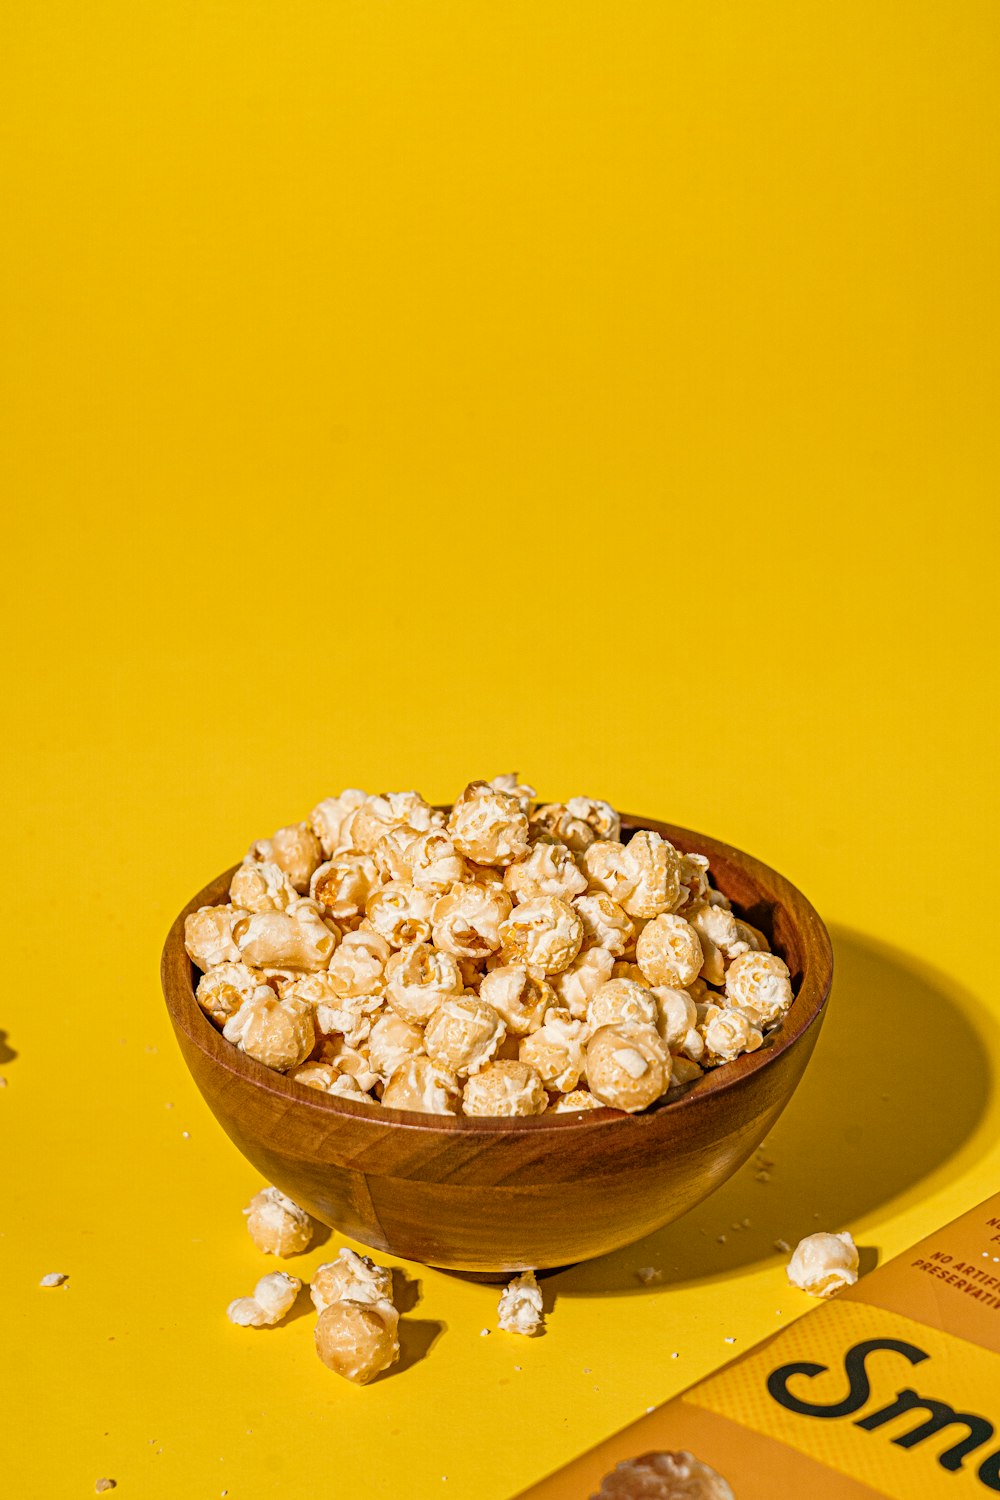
<point>500,1195</point>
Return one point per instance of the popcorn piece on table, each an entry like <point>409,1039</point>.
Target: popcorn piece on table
<point>273,1297</point>
<point>489,826</point>
<point>622,1002</point>
<point>544,933</point>
<point>505,1088</point>
<point>520,1305</point>
<point>298,938</point>
<point>357,1340</point>
<point>759,987</point>
<point>352,1276</point>
<point>668,951</point>
<point>822,1264</point>
<point>463,1034</point>
<point>548,869</point>
<point>278,1033</point>
<point>54,1278</point>
<point>223,989</point>
<point>521,999</point>
<point>627,1067</point>
<point>420,978</point>
<point>664,1476</point>
<point>294,849</point>
<point>466,920</point>
<point>277,1225</point>
<point>424,1085</point>
<point>103,1485</point>
<point>557,1050</point>
<point>208,935</point>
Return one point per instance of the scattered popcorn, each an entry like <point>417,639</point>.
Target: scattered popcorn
<point>649,1275</point>
<point>822,1264</point>
<point>103,1485</point>
<point>278,1226</point>
<point>664,1476</point>
<point>54,1278</point>
<point>484,1333</point>
<point>506,958</point>
<point>273,1297</point>
<point>520,1305</point>
<point>353,1276</point>
<point>357,1340</point>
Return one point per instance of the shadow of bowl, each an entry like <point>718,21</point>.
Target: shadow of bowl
<point>868,1125</point>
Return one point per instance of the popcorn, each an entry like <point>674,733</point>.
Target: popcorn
<point>574,1102</point>
<point>503,960</point>
<point>606,923</point>
<point>520,1305</point>
<point>627,1067</point>
<point>357,1340</point>
<point>208,935</point>
<point>668,951</point>
<point>276,1225</point>
<point>509,783</point>
<point>653,870</point>
<point>261,887</point>
<point>295,849</point>
<point>719,937</point>
<point>575,985</point>
<point>273,1297</point>
<point>401,913</point>
<point>557,1051</point>
<point>278,1033</point>
<point>489,826</point>
<point>622,1002</point>
<point>351,1276</point>
<point>505,1088</point>
<point>822,1264</point>
<point>435,863</point>
<point>328,817</point>
<point>423,1085</point>
<point>759,987</point>
<point>545,933</point>
<point>298,938</point>
<point>222,990</point>
<point>352,1016</point>
<point>664,1476</point>
<point>520,999</point>
<point>604,862</point>
<point>676,1014</point>
<point>548,869</point>
<point>466,921</point>
<point>343,886</point>
<point>727,1035</point>
<point>463,1034</point>
<point>359,963</point>
<point>420,978</point>
<point>393,1042</point>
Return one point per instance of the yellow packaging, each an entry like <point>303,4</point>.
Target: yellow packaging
<point>891,1388</point>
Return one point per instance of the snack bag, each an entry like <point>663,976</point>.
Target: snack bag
<point>890,1388</point>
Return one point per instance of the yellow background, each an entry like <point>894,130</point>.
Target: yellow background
<point>399,393</point>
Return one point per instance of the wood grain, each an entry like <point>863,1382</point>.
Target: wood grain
<point>497,1196</point>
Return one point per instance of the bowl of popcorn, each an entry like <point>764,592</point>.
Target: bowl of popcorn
<point>498,1035</point>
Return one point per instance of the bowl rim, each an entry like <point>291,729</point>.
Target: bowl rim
<point>814,989</point>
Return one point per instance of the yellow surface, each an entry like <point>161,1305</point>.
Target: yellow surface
<point>397,393</point>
